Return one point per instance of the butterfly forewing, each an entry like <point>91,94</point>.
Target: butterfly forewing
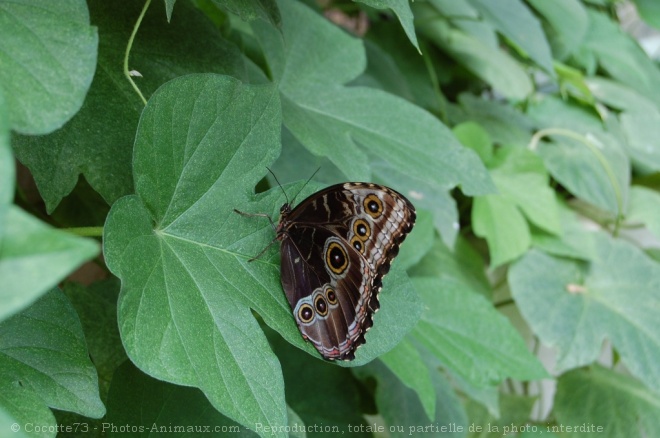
<point>336,246</point>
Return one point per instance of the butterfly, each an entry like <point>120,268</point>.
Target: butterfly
<point>336,246</point>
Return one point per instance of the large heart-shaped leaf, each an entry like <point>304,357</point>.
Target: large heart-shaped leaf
<point>574,308</point>
<point>182,253</point>
<point>182,311</point>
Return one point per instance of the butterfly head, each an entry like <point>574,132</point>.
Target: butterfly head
<point>281,230</point>
<point>285,210</point>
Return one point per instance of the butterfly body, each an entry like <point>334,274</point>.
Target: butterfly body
<point>336,246</point>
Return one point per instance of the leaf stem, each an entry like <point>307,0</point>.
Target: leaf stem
<point>128,50</point>
<point>85,231</point>
<point>536,138</point>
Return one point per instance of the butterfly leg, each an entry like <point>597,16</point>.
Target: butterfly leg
<point>242,213</point>
<point>263,250</point>
<point>272,224</point>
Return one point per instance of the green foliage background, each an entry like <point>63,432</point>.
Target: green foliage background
<point>525,132</point>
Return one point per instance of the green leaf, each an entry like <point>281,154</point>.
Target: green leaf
<point>488,396</point>
<point>621,56</point>
<point>400,311</point>
<point>516,411</point>
<point>182,316</point>
<point>418,242</point>
<point>521,178</point>
<point>296,163</point>
<point>265,10</point>
<point>22,406</point>
<point>572,241</point>
<point>575,308</point>
<point>407,365</point>
<point>644,207</point>
<point>195,275</point>
<point>462,266</point>
<point>619,96</point>
<point>330,120</point>
<point>568,19</point>
<point>34,257</point>
<point>296,425</point>
<point>423,195</point>
<point>638,119</point>
<point>649,10</point>
<point>96,306</point>
<point>472,135</point>
<point>382,72</point>
<point>598,172</point>
<point>616,405</point>
<point>169,7</point>
<point>334,402</point>
<point>465,17</point>
<point>43,350</point>
<point>515,21</point>
<point>522,182</point>
<point>402,10</point>
<point>505,124</point>
<point>398,69</point>
<point>138,402</point>
<point>48,57</point>
<point>402,411</point>
<point>470,337</point>
<point>98,141</point>
<point>494,66</point>
<point>501,223</point>
<point>7,168</point>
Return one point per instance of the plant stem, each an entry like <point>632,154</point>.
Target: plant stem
<point>128,50</point>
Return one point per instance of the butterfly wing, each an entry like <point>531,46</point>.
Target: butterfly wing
<point>336,247</point>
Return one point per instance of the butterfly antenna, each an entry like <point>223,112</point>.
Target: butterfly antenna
<point>278,183</point>
<point>306,182</point>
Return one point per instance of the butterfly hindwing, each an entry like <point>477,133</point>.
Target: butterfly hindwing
<point>329,299</point>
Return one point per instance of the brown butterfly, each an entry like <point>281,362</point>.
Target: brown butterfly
<point>336,246</point>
